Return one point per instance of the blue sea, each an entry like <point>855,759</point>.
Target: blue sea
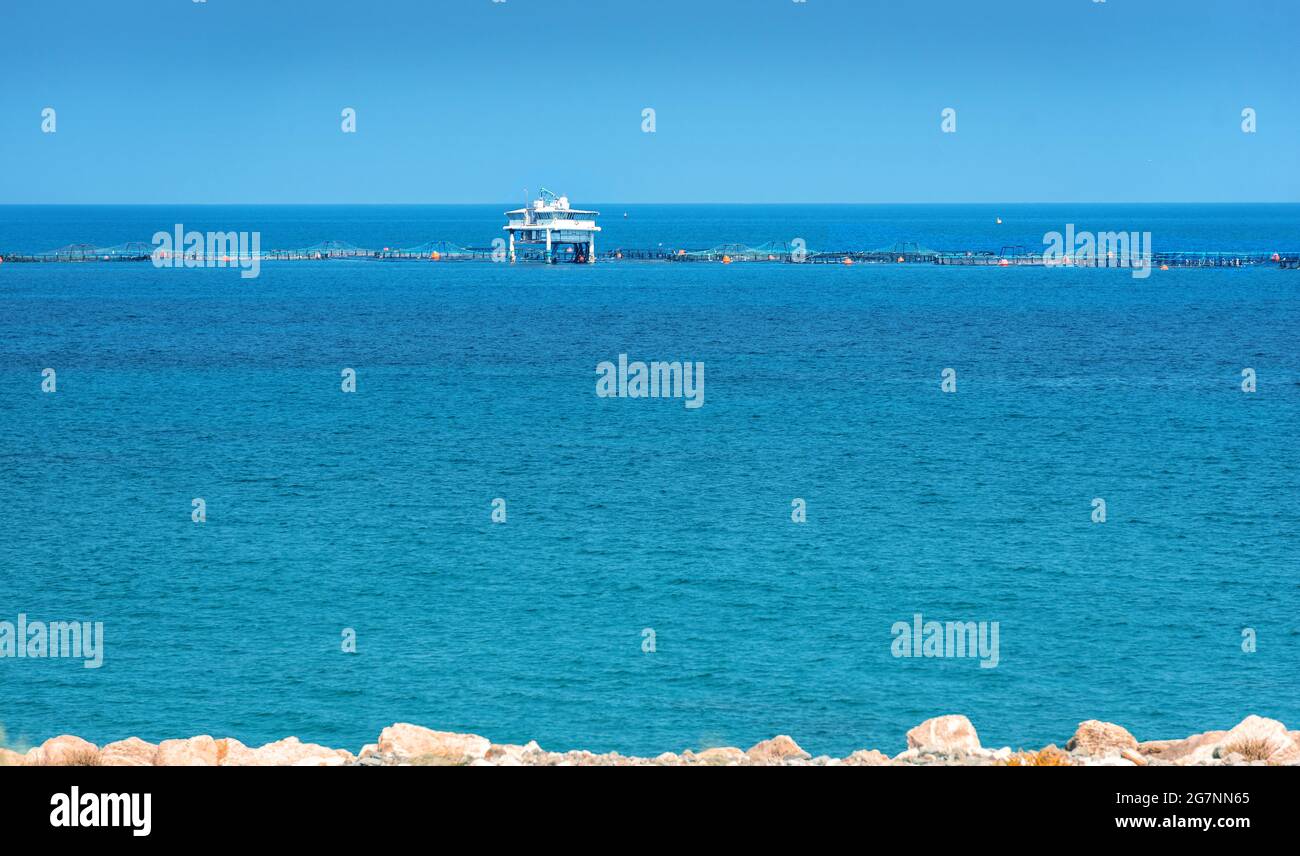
<point>372,511</point>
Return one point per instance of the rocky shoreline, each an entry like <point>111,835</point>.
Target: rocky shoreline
<point>943,741</point>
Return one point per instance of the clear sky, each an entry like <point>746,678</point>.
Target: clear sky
<point>239,101</point>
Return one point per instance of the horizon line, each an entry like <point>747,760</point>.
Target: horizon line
<point>618,202</point>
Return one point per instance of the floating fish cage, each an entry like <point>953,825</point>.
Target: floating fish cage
<point>132,251</point>
<point>437,251</point>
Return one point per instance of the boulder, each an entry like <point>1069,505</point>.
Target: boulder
<point>1157,748</point>
<point>285,753</point>
<point>1133,755</point>
<point>1287,757</point>
<point>412,741</point>
<point>779,748</point>
<point>867,758</point>
<point>201,751</point>
<point>10,758</point>
<point>131,752</point>
<point>944,735</point>
<point>1257,739</point>
<point>720,756</point>
<point>233,753</point>
<point>1197,749</point>
<point>1094,737</point>
<point>66,750</point>
<point>503,753</point>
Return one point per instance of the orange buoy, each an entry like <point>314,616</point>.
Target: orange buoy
<point>1004,263</point>
<point>1277,257</point>
<point>900,259</point>
<point>726,260</point>
<point>1164,267</point>
<point>435,255</point>
<point>847,261</point>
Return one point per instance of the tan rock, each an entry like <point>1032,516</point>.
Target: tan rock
<point>201,751</point>
<point>1157,748</point>
<point>283,753</point>
<point>720,756</point>
<point>233,753</point>
<point>1287,757</point>
<point>10,758</point>
<point>1196,749</point>
<point>430,759</point>
<point>944,735</point>
<point>1257,739</point>
<point>514,755</point>
<point>779,748</point>
<point>412,741</point>
<point>66,750</point>
<point>867,758</point>
<point>512,751</point>
<point>131,752</point>
<point>1133,755</point>
<point>1094,737</point>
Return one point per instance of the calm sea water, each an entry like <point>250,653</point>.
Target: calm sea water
<point>475,381</point>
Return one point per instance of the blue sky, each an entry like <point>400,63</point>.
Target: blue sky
<point>239,101</point>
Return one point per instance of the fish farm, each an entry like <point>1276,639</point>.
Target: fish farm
<point>776,252</point>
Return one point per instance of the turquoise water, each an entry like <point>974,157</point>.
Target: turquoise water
<point>371,510</point>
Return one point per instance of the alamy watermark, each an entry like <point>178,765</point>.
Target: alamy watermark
<point>923,638</point>
<point>196,249</point>
<point>1099,249</point>
<point>656,379</point>
<point>125,810</point>
<point>36,640</point>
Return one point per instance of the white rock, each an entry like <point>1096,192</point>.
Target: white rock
<point>944,735</point>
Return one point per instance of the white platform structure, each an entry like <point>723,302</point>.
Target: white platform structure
<point>549,220</point>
